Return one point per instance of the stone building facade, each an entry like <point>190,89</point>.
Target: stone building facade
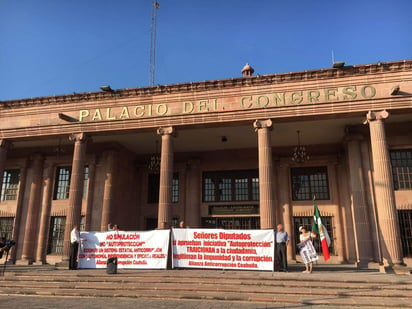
<point>216,154</point>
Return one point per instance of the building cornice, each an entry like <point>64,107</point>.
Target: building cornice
<point>259,80</point>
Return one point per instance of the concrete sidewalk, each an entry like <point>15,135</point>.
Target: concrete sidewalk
<point>34,302</point>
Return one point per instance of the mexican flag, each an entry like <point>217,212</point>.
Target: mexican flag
<point>319,229</point>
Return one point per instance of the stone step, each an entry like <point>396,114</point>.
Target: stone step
<point>138,282</point>
<point>327,288</point>
<point>328,300</point>
<point>222,287</point>
<point>290,279</point>
<point>25,268</point>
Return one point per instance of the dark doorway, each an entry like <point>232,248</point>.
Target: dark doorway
<point>151,224</point>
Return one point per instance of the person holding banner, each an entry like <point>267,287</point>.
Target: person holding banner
<point>306,249</point>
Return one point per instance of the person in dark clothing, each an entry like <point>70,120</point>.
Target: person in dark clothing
<point>74,247</point>
<point>282,241</point>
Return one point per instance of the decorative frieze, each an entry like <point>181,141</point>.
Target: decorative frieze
<point>218,84</point>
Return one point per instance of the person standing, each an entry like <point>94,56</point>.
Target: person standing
<point>310,254</point>
<point>282,241</point>
<point>74,247</point>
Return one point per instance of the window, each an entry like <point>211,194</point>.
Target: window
<point>231,186</point>
<point>62,186</point>
<point>6,227</point>
<point>308,182</point>
<point>82,223</point>
<point>405,224</point>
<point>402,169</point>
<point>86,181</point>
<point>175,188</point>
<point>153,188</point>
<point>229,223</point>
<point>10,185</point>
<point>208,190</point>
<point>307,223</point>
<point>241,189</point>
<point>56,235</point>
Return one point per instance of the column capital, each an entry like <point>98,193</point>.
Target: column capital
<point>260,124</point>
<point>166,131</point>
<point>372,116</point>
<point>6,144</point>
<point>79,137</point>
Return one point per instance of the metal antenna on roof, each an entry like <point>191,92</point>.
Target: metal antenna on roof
<point>155,7</point>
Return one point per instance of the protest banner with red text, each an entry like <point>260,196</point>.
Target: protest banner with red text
<point>132,249</point>
<point>218,248</point>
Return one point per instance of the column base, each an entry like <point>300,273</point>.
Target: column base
<point>396,269</point>
<point>63,264</point>
<point>24,261</point>
<point>362,264</point>
<point>401,270</point>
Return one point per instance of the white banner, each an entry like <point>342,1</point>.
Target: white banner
<point>132,249</point>
<point>217,248</point>
<point>307,252</point>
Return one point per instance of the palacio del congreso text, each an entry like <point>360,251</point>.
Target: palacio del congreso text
<point>244,153</point>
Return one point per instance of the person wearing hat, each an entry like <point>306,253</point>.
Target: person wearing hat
<point>304,236</point>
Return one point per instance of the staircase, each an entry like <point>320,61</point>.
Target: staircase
<point>331,286</point>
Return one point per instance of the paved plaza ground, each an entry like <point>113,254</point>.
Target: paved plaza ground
<point>34,302</point>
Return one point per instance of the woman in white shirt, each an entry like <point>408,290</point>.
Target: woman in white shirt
<point>303,237</point>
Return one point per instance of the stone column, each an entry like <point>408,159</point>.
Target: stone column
<point>384,192</point>
<point>266,184</point>
<point>339,236</point>
<point>33,210</point>
<point>89,197</point>
<point>107,208</point>
<point>360,210</point>
<point>166,177</point>
<point>193,195</point>
<point>346,210</point>
<point>19,208</point>
<point>370,198</point>
<point>4,147</point>
<point>74,209</point>
<point>285,205</point>
<point>45,214</point>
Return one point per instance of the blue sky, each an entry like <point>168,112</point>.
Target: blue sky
<point>52,47</point>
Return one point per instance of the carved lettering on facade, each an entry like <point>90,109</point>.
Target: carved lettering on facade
<point>207,105</point>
